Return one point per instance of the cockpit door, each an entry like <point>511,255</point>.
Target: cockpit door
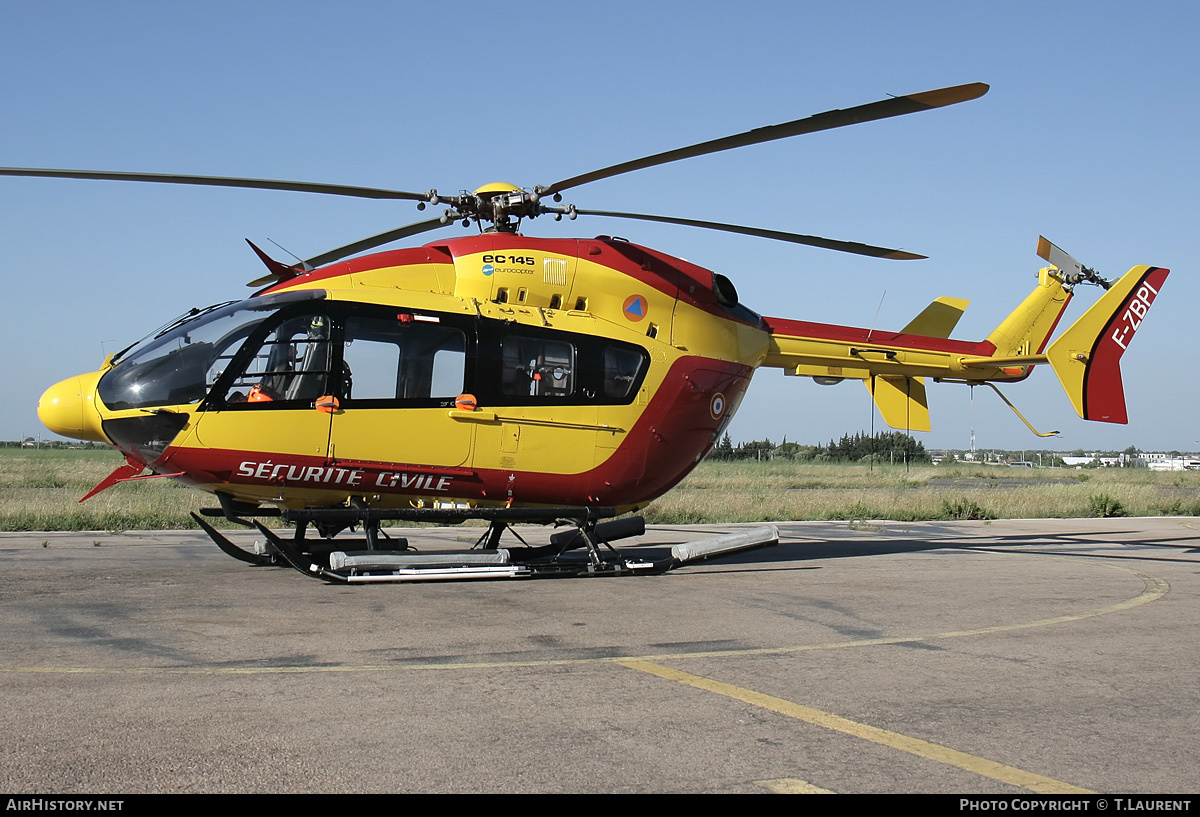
<point>262,402</point>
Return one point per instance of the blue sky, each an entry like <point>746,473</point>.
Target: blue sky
<point>1089,136</point>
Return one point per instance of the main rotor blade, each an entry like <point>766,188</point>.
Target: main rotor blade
<point>794,238</point>
<point>896,106</point>
<point>218,181</point>
<point>377,241</point>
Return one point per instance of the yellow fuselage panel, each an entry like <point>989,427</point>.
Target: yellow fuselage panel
<point>519,276</point>
<point>595,447</point>
<point>301,432</point>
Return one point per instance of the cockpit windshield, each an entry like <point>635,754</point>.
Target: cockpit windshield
<point>179,365</point>
<point>191,315</point>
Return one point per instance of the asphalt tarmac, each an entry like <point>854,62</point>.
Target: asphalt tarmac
<point>1050,656</point>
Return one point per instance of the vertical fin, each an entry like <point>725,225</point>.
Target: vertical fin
<point>1087,357</point>
<point>901,401</point>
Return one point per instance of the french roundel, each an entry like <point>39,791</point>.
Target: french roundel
<point>635,307</point>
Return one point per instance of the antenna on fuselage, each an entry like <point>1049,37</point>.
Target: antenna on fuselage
<point>289,252</point>
<point>875,320</point>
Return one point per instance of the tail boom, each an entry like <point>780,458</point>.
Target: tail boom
<point>892,364</point>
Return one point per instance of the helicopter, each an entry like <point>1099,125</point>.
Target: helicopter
<point>510,378</point>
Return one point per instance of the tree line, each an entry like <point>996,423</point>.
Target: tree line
<point>886,446</point>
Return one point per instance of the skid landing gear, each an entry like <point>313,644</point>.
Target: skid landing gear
<point>267,551</point>
<point>380,559</point>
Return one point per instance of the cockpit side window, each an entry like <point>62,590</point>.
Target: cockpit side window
<point>289,368</point>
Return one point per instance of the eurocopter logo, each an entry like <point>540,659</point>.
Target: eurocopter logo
<point>491,259</point>
<point>635,307</point>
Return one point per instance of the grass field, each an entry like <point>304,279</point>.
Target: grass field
<point>40,489</point>
<point>773,491</point>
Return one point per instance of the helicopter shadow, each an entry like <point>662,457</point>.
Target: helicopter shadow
<point>793,549</point>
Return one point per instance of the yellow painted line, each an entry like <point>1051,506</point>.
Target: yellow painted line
<point>789,785</point>
<point>1155,589</point>
<point>914,746</point>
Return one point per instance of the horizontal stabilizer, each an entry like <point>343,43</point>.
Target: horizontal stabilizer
<point>1088,355</point>
<point>938,319</point>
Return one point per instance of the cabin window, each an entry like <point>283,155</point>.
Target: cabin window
<point>537,367</point>
<point>622,369</point>
<point>385,359</point>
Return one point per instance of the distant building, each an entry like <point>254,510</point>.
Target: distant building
<point>1119,461</point>
<point>1165,463</point>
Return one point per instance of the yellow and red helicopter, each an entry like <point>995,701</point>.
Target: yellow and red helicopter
<point>510,378</point>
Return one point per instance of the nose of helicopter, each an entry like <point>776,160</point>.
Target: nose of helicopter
<point>69,408</point>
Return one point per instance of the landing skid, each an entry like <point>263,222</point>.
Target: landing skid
<point>487,560</point>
